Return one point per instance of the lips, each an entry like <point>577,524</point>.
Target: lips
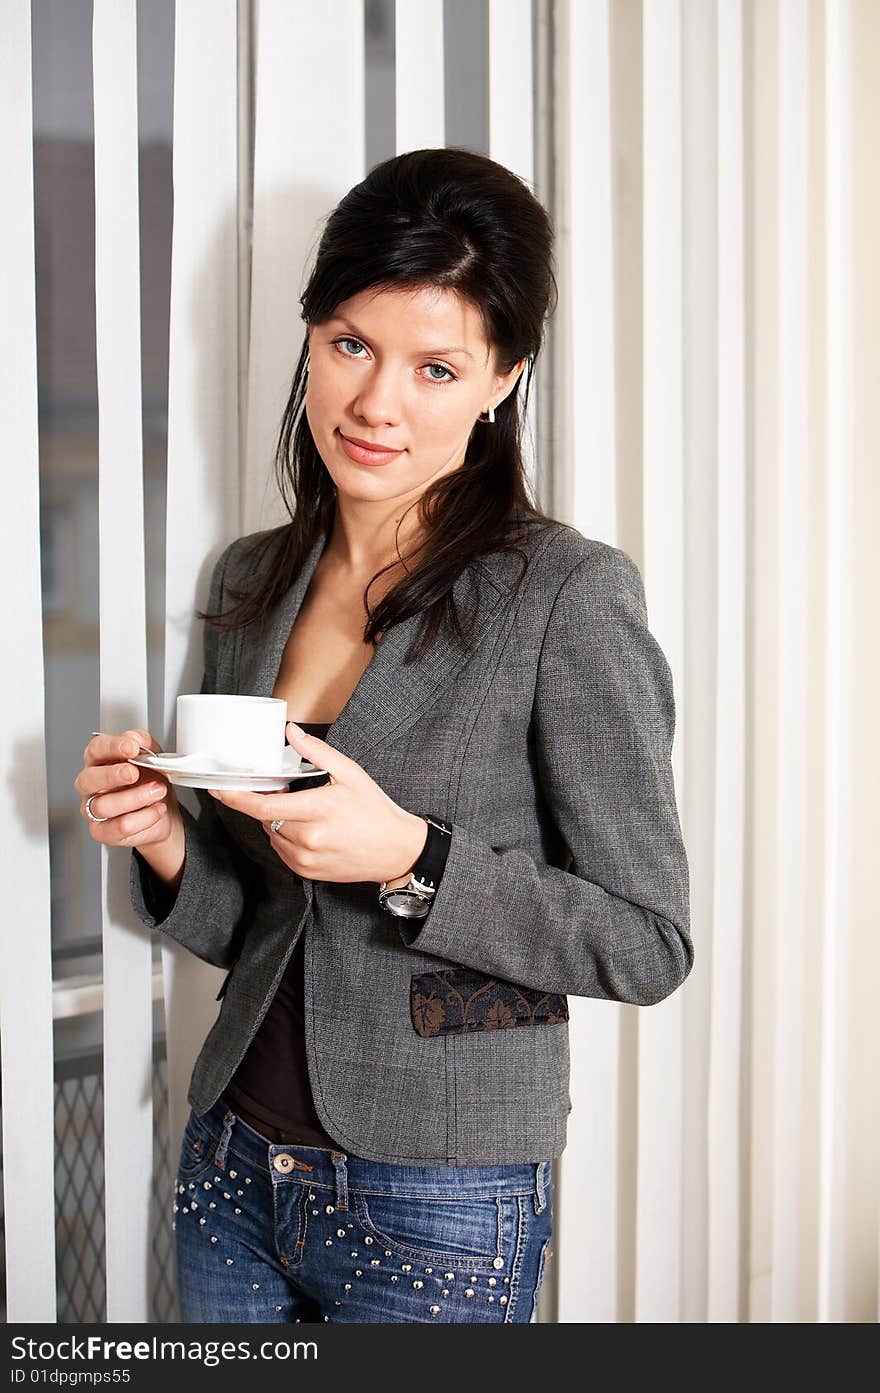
<point>362,452</point>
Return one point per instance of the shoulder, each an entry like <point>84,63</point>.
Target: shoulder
<point>562,564</point>
<point>246,560</point>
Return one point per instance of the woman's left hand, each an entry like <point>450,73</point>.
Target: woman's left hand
<point>347,830</point>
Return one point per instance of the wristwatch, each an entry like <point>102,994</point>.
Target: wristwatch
<point>413,900</point>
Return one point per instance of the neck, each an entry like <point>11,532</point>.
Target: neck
<point>366,537</point>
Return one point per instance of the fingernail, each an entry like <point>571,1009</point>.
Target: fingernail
<point>297,730</point>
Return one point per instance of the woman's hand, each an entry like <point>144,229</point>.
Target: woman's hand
<point>140,805</point>
<point>348,830</point>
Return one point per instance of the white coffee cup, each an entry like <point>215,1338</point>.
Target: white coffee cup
<point>234,732</point>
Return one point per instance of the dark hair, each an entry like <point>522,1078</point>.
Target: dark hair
<point>453,219</point>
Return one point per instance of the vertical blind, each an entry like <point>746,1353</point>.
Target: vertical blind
<point>308,152</point>
<point>203,490</point>
<point>583,429</point>
<point>720,757</point>
<point>26,980</point>
<point>659,1137</point>
<point>419,77</point>
<point>708,403</point>
<point>127,958</point>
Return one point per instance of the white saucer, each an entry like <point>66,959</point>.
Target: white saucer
<point>200,771</point>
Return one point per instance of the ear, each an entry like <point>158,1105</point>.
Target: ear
<point>505,383</point>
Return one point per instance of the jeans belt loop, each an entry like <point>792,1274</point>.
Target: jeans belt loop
<point>338,1158</point>
<point>540,1197</point>
<point>229,1121</point>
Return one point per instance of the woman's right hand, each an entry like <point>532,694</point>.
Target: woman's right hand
<point>139,804</point>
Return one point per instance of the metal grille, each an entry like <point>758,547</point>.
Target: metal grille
<point>163,1289</point>
<point>79,1194</point>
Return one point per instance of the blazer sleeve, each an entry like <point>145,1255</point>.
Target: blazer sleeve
<point>614,922</point>
<point>209,911</point>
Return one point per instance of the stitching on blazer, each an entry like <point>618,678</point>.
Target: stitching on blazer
<point>502,642</point>
<point>451,1045</point>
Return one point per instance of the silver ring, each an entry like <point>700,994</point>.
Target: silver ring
<point>89,814</point>
<point>276,824</point>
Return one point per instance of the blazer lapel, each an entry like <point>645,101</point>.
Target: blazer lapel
<point>391,692</point>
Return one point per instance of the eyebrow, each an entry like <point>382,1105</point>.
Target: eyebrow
<point>425,352</point>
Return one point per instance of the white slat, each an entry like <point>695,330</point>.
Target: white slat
<point>660,1052</point>
<point>858,1233</point>
<point>26,1049</point>
<point>297,181</point>
<point>697,737</point>
<point>128,1110</point>
<point>839,647</point>
<point>511,86</point>
<point>585,233</point>
<point>587,1222</point>
<point>512,131</point>
<point>724,1236</point>
<point>763,241</point>
<point>790,840</point>
<point>203,459</point>
<point>420,101</point>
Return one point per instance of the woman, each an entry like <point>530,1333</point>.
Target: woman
<point>376,1109</point>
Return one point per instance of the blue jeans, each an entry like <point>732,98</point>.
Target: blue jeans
<point>269,1231</point>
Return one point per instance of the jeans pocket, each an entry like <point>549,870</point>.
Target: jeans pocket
<point>545,1246</point>
<point>464,1233</point>
<point>197,1150</point>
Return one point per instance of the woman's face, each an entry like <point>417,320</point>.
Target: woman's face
<point>407,370</point>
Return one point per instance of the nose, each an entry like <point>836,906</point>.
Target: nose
<point>378,400</point>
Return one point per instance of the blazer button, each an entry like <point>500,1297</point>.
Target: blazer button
<point>283,1162</point>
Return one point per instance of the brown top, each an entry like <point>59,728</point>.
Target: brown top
<point>271,1084</point>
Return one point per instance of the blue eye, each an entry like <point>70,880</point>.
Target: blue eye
<point>343,345</point>
<point>449,376</point>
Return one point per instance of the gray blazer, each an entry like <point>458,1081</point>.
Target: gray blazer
<point>548,749</point>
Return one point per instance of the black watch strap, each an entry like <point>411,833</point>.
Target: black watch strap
<point>431,864</point>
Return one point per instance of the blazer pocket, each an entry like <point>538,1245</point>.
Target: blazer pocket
<point>458,1000</point>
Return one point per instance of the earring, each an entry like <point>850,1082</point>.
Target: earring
<point>490,419</point>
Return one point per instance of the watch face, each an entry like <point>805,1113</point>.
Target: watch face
<point>407,903</point>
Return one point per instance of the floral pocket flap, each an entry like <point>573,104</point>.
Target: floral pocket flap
<point>457,1000</point>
